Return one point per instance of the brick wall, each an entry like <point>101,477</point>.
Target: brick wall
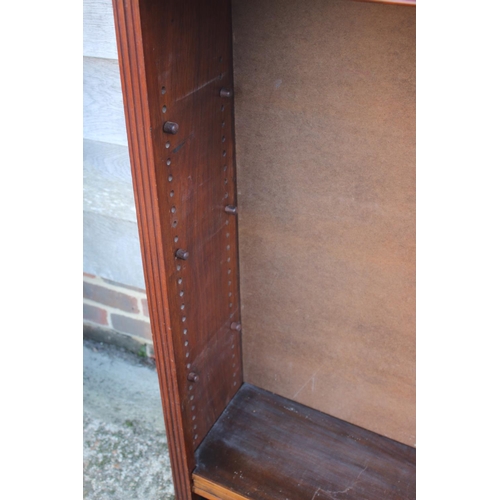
<point>117,310</point>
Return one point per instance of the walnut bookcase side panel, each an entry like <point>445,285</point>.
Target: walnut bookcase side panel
<point>176,70</point>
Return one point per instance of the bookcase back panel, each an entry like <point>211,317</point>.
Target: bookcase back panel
<point>325,143</point>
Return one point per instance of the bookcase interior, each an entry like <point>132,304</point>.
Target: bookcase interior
<point>272,146</point>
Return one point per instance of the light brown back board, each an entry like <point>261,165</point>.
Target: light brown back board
<point>325,137</point>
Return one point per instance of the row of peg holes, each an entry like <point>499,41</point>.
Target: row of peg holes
<point>179,278</point>
<point>231,298</point>
<point>173,211</point>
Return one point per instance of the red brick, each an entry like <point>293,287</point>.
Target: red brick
<point>145,307</point>
<point>110,298</point>
<point>95,314</point>
<point>131,326</point>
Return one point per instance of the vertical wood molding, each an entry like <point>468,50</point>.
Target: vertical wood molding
<point>134,85</point>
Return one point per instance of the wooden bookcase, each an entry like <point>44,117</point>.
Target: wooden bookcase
<point>282,306</point>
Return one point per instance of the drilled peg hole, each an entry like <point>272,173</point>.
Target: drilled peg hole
<point>225,168</point>
<point>195,427</point>
<point>187,355</point>
<point>183,319</point>
<point>193,408</point>
<point>167,144</point>
<point>179,281</point>
<point>183,306</point>
<point>220,76</point>
<point>229,259</point>
<point>234,383</point>
<point>169,161</point>
<point>164,109</point>
<point>230,304</point>
<point>229,271</point>
<point>222,108</point>
<point>228,247</point>
<point>194,417</point>
<point>181,293</point>
<point>229,283</point>
<point>230,294</point>
<point>176,239</point>
<point>188,365</point>
<point>225,181</point>
<point>226,195</point>
<point>163,90</point>
<point>174,224</point>
<point>170,178</point>
<point>190,387</point>
<point>223,124</point>
<point>171,194</point>
<point>186,343</point>
<point>223,138</point>
<point>224,153</point>
<point>184,331</point>
<point>227,222</point>
<point>191,397</point>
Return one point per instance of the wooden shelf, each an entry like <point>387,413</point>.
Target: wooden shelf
<point>267,447</point>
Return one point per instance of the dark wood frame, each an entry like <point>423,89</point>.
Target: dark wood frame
<point>161,70</point>
<point>142,37</point>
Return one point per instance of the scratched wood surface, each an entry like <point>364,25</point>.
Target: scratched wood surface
<point>265,447</point>
<point>325,124</point>
<point>175,57</point>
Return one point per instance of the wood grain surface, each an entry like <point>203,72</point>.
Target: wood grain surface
<point>111,160</point>
<point>409,3</point>
<point>112,249</point>
<point>103,118</point>
<point>325,122</point>
<point>175,57</point>
<point>99,38</point>
<point>265,447</point>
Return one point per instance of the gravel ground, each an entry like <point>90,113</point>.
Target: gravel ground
<point>125,453</point>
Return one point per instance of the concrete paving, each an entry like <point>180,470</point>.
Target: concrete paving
<point>125,455</point>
